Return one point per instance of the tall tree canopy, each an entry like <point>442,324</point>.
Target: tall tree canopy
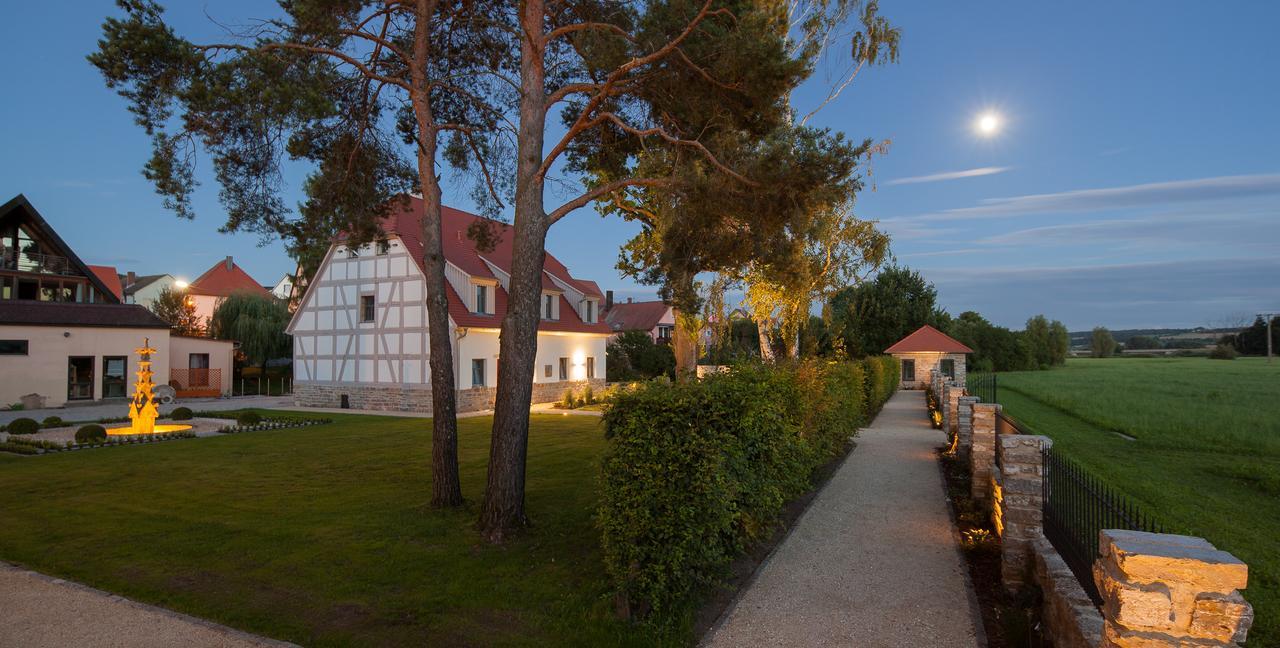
<point>174,307</point>
<point>867,318</point>
<point>375,97</point>
<point>257,322</point>
<point>1101,343</point>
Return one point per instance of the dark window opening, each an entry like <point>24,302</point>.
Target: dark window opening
<point>564,368</point>
<point>547,372</point>
<point>908,371</point>
<point>949,368</point>
<point>14,347</point>
<point>477,373</point>
<point>482,299</point>
<point>366,308</point>
<point>80,378</point>
<point>591,367</point>
<point>114,376</point>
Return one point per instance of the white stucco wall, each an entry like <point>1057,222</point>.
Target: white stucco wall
<point>45,367</point>
<point>221,356</point>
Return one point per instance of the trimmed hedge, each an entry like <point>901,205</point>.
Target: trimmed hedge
<point>51,422</point>
<point>181,414</point>
<point>22,425</point>
<point>248,418</point>
<point>697,470</point>
<point>91,433</point>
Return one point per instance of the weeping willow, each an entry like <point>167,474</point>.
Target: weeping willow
<point>257,322</point>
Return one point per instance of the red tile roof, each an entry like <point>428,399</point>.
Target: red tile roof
<point>405,221</point>
<point>927,339</point>
<point>220,281</point>
<point>109,278</point>
<point>636,316</point>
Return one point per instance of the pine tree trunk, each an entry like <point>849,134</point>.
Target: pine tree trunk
<point>446,485</point>
<point>502,513</point>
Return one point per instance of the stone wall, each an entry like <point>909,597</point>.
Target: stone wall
<point>1169,590</point>
<point>964,427</point>
<point>417,398</point>
<point>1020,506</point>
<point>982,443</point>
<point>1067,612</point>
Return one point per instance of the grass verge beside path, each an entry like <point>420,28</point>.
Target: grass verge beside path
<point>1194,485</point>
<point>323,536</point>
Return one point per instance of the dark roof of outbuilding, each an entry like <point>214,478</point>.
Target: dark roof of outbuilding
<point>636,316</point>
<point>36,313</point>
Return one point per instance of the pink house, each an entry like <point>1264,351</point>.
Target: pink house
<point>654,317</point>
<point>217,283</point>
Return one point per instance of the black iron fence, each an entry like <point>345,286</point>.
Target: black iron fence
<point>1076,507</point>
<point>982,385</point>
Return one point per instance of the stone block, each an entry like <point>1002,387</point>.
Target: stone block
<point>1223,617</point>
<point>1133,605</point>
<point>1150,557</point>
<point>1117,636</point>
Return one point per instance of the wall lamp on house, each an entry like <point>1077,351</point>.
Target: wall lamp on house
<point>579,366</point>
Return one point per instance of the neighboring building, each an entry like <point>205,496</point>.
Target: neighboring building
<point>360,332</point>
<point>283,288</point>
<point>145,290</point>
<point>219,282</point>
<point>653,317</point>
<point>926,351</point>
<point>65,336</point>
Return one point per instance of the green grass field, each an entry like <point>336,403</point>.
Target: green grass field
<point>322,535</point>
<point>1205,459</point>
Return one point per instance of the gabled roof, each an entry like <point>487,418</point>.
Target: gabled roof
<point>46,232</point>
<point>79,314</point>
<point>225,278</point>
<point>140,282</point>
<point>405,221</point>
<point>927,339</point>
<point>636,316</point>
<point>107,275</point>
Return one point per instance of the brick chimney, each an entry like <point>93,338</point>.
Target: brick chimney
<point>629,300</point>
<point>130,278</point>
<point>608,299</point>
<point>230,264</point>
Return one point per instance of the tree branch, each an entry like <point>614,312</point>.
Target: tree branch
<point>586,198</point>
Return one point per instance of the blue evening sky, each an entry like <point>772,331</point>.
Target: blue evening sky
<point>1135,181</point>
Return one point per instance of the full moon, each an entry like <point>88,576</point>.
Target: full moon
<point>988,124</point>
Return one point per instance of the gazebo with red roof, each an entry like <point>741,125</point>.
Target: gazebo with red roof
<point>926,351</point>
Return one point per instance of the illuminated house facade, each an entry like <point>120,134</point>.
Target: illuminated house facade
<point>65,335</point>
<point>360,332</point>
<point>927,351</point>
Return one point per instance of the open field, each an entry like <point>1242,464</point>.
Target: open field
<point>322,535</point>
<point>1205,459</point>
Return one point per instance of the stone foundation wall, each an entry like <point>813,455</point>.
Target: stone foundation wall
<point>1066,611</point>
<point>394,398</point>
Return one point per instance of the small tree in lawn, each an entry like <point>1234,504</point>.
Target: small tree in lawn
<point>180,312</point>
<point>1101,343</point>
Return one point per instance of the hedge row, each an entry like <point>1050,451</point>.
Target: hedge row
<point>697,470</point>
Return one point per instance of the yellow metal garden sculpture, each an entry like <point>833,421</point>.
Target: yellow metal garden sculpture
<point>142,408</point>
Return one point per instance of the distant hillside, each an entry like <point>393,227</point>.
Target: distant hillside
<point>1181,335</point>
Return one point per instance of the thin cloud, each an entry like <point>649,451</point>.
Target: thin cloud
<point>949,175</point>
<point>1193,228</point>
<point>938,253</point>
<point>1092,200</point>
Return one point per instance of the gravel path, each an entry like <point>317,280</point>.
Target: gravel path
<point>39,612</point>
<point>874,561</point>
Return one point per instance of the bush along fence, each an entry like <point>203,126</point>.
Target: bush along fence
<point>1106,574</point>
<point>697,470</point>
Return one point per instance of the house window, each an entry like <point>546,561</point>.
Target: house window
<point>949,368</point>
<point>383,248</point>
<point>664,332</point>
<point>564,368</point>
<point>477,372</point>
<point>591,367</point>
<point>113,376</point>
<point>908,371</point>
<point>482,299</point>
<point>14,347</point>
<point>80,378</point>
<point>197,370</point>
<point>589,308</point>
<point>547,372</point>
<point>548,306</point>
<point>366,308</point>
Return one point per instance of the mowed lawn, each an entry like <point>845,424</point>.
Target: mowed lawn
<point>1206,456</point>
<point>323,535</point>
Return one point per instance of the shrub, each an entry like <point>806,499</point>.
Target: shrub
<point>696,470</point>
<point>91,433</point>
<point>248,418</point>
<point>1223,352</point>
<point>17,448</point>
<point>566,402</point>
<point>588,397</point>
<point>181,414</point>
<point>51,422</point>
<point>23,425</point>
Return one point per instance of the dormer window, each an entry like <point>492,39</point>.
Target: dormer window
<point>548,306</point>
<point>383,247</point>
<point>482,299</point>
<point>589,311</point>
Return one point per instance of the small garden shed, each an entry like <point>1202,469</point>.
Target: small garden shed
<point>926,351</point>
